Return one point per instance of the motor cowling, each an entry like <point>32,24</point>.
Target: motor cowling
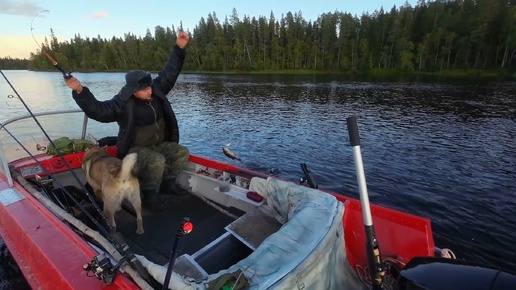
<point>436,273</point>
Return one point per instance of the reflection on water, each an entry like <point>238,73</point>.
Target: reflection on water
<point>441,150</point>
<point>48,91</point>
<point>27,132</point>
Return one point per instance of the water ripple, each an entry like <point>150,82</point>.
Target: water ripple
<point>440,150</point>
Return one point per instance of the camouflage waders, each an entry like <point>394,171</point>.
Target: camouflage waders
<point>156,161</point>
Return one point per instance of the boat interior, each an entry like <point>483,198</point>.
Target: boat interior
<point>230,221</point>
<point>227,227</point>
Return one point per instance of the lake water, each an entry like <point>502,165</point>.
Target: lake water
<point>440,149</point>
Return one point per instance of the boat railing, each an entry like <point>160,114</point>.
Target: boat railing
<point>3,125</point>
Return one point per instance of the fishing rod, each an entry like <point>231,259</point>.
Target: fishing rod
<point>374,261</point>
<point>66,74</point>
<point>114,237</point>
<point>185,228</point>
<point>103,270</point>
<point>92,200</point>
<point>81,207</point>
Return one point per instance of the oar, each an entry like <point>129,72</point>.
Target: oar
<point>374,262</point>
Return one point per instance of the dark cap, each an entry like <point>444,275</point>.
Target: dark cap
<point>135,80</point>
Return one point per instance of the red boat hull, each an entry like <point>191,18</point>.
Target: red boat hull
<point>51,255</point>
<point>48,252</point>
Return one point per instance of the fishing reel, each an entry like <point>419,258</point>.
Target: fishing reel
<point>44,183</point>
<point>103,269</point>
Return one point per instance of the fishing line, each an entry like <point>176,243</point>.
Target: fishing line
<point>114,237</point>
<point>48,192</point>
<point>90,197</point>
<point>198,58</point>
<point>66,74</point>
<point>101,228</point>
<point>195,48</point>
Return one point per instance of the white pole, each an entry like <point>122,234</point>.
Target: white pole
<point>374,260</point>
<point>362,187</point>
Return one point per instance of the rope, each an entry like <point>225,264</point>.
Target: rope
<point>240,275</point>
<point>388,280</point>
<point>447,253</point>
<point>238,278</point>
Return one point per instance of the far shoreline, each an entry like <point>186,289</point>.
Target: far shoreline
<point>380,73</point>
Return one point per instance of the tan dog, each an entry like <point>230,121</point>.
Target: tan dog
<point>112,181</point>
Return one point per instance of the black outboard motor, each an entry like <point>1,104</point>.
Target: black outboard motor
<point>436,273</point>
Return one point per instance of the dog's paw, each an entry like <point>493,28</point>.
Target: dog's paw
<point>139,231</point>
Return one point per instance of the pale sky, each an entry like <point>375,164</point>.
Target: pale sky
<point>110,18</point>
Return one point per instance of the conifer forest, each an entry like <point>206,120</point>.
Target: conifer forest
<point>432,36</point>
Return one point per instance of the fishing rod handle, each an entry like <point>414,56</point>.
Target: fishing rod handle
<point>354,138</point>
<point>54,62</point>
<point>66,75</point>
<point>185,228</point>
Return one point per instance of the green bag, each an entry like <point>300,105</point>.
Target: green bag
<point>66,145</point>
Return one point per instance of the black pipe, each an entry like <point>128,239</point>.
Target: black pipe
<point>185,228</point>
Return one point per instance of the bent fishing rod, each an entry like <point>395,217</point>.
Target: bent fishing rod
<point>66,74</point>
<point>114,237</point>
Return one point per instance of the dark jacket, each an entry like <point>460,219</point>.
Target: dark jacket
<point>120,107</point>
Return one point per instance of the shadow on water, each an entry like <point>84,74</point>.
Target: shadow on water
<point>10,275</point>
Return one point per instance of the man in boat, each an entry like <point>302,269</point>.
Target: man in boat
<point>147,126</point>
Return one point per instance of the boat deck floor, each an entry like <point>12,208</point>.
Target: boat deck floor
<point>160,228</point>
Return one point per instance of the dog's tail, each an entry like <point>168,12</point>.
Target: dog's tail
<point>127,166</point>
